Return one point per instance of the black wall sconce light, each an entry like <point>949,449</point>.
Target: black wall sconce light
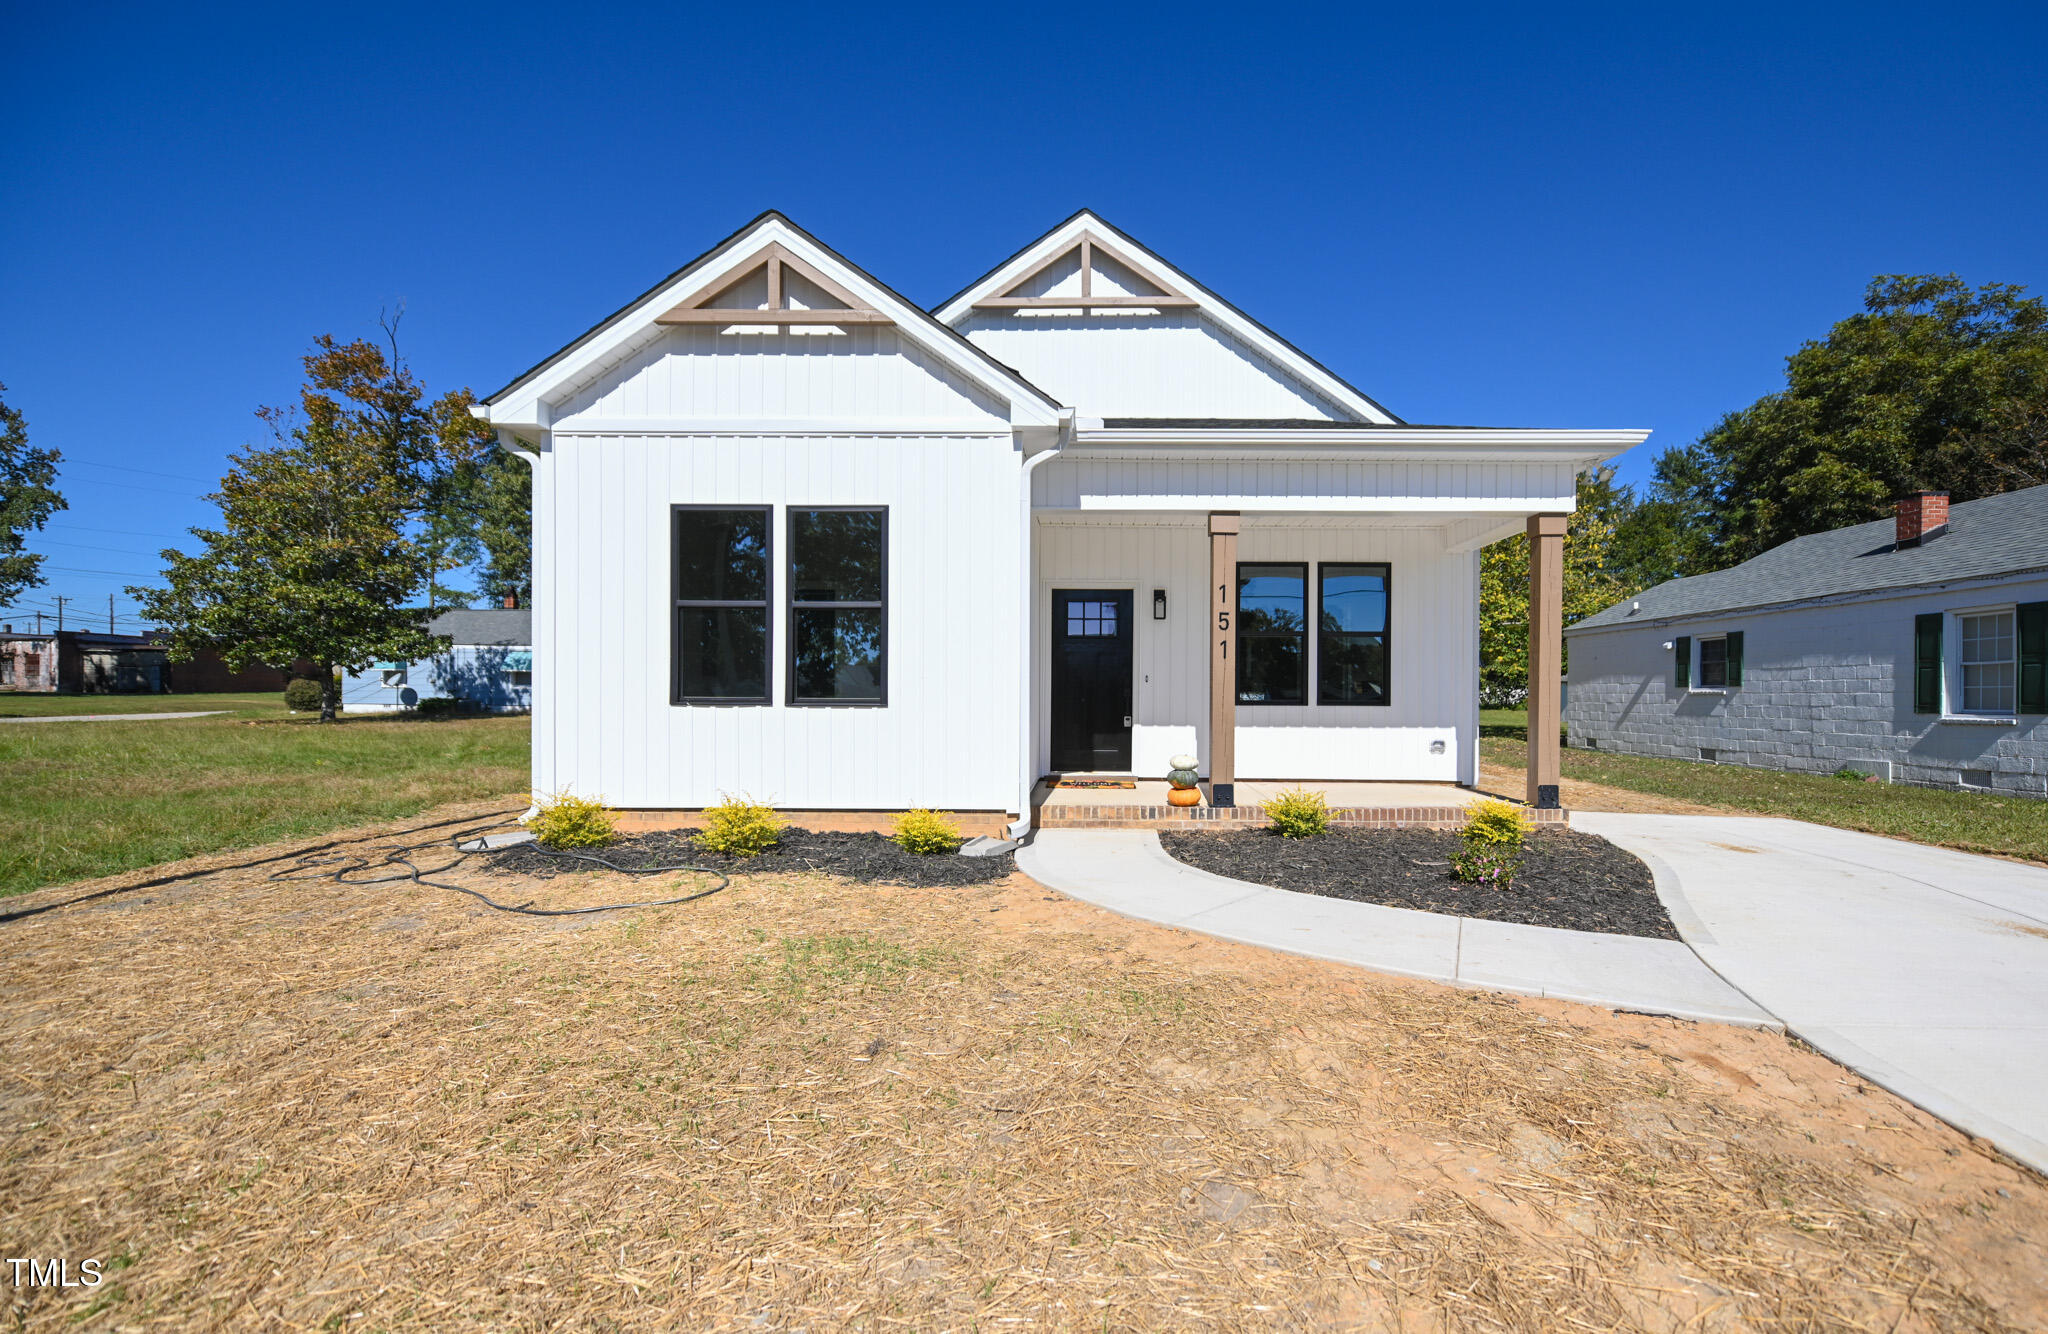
<point>1158,604</point>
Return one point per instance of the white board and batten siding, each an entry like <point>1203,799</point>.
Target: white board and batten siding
<point>1095,481</point>
<point>694,416</point>
<point>604,720</point>
<point>1174,363</point>
<point>698,373</point>
<point>1432,631</point>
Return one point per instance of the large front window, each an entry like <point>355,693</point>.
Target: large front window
<point>721,605</point>
<point>1351,634</point>
<point>838,575</point>
<point>1272,634</point>
<point>1989,673</point>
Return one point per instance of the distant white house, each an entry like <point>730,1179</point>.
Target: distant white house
<point>488,666</point>
<point>1914,648</point>
<point>796,536</point>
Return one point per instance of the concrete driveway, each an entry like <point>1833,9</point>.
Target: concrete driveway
<point>1925,970</point>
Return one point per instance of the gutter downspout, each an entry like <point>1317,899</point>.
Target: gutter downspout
<point>510,444</point>
<point>1027,775</point>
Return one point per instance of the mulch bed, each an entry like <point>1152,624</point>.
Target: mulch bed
<point>870,858</point>
<point>1569,879</point>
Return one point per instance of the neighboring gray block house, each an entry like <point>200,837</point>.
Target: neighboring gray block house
<point>489,666</point>
<point>1915,649</point>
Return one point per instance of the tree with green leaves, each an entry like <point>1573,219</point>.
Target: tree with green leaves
<point>1935,385</point>
<point>322,553</point>
<point>482,515</point>
<point>1591,583</point>
<point>28,496</point>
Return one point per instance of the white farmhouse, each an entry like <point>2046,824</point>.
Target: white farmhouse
<point>797,537</point>
<point>1914,649</point>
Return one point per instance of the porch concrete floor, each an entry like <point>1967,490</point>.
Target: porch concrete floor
<point>1152,792</point>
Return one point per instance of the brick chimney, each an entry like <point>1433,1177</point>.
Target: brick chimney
<point>512,599</point>
<point>1922,515</point>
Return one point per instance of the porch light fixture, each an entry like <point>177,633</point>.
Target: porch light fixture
<point>1158,604</point>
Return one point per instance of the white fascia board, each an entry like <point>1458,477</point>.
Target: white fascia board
<point>1027,407</point>
<point>775,426</point>
<point>1406,443</point>
<point>1256,504</point>
<point>1211,305</point>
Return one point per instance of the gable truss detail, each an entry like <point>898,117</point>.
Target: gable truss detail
<point>1087,246</point>
<point>778,262</point>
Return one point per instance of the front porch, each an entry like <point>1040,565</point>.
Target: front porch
<point>1357,805</point>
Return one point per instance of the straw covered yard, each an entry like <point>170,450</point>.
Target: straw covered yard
<point>803,1103</point>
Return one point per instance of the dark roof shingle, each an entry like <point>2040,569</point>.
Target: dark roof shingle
<point>2004,534</point>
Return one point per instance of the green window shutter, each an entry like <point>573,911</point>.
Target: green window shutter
<point>1735,657</point>
<point>1681,662</point>
<point>2033,619</point>
<point>1927,663</point>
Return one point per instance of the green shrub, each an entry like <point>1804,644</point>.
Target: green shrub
<point>302,695</point>
<point>566,821</point>
<point>739,827</point>
<point>1497,823</point>
<point>926,833</point>
<point>1491,854</point>
<point>438,706</point>
<point>1299,813</point>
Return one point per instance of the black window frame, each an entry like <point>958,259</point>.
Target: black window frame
<point>677,604</point>
<point>1237,610</point>
<point>1386,569</point>
<point>791,607</point>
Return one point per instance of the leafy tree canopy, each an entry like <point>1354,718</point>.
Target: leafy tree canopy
<point>321,553</point>
<point>28,497</point>
<point>1591,583</point>
<point>1935,385</point>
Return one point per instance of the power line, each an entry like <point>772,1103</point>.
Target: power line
<point>128,532</point>
<point>132,574</point>
<point>81,546</point>
<point>146,472</point>
<point>130,486</point>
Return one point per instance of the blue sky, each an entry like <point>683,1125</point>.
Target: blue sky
<point>1624,216</point>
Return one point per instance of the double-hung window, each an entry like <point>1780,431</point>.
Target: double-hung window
<point>1714,663</point>
<point>1351,634</point>
<point>721,605</point>
<point>1988,662</point>
<point>1272,634</point>
<point>838,606</point>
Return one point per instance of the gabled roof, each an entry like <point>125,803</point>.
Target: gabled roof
<point>1998,535</point>
<point>737,253</point>
<point>1169,278</point>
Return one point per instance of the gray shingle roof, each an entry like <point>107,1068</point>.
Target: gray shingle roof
<point>2003,534</point>
<point>486,625</point>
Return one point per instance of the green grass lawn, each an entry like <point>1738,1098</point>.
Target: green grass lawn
<point>90,799</point>
<point>1973,821</point>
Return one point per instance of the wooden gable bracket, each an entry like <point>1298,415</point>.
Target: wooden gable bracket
<point>1088,244</point>
<point>776,259</point>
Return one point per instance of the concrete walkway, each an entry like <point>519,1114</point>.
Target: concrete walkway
<point>1129,873</point>
<point>112,717</point>
<point>1924,970</point>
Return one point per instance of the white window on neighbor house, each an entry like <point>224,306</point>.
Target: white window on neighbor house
<point>391,678</point>
<point>1987,661</point>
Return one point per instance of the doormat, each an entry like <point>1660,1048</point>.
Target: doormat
<point>1096,782</point>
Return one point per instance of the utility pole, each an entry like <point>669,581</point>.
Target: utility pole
<point>60,612</point>
<point>110,613</point>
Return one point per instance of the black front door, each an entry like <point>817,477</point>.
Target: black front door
<point>1091,680</point>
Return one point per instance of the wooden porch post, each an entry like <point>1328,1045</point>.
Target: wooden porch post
<point>1223,659</point>
<point>1546,654</point>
